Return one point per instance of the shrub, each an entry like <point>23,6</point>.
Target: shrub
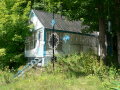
<point>115,85</point>
<point>2,55</point>
<point>6,77</point>
<point>83,64</point>
<point>13,30</point>
<point>13,61</point>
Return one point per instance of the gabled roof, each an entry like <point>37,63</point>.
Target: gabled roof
<point>61,22</point>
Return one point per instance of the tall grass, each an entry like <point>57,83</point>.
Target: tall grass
<point>82,65</point>
<point>35,80</point>
<point>72,72</point>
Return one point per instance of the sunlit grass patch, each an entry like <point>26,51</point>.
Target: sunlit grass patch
<point>74,72</point>
<point>53,81</point>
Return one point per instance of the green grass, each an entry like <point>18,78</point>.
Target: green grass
<point>35,80</point>
<point>74,72</point>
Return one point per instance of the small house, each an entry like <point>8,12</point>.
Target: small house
<point>68,37</point>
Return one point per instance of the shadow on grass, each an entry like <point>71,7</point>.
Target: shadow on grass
<point>77,74</point>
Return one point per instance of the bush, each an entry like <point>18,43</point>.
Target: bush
<point>6,77</point>
<point>83,64</point>
<point>2,55</point>
<point>115,85</point>
<point>12,61</point>
<point>13,30</point>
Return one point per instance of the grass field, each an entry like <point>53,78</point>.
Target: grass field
<point>76,72</point>
<point>36,79</point>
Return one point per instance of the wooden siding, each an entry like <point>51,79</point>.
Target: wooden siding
<point>76,44</point>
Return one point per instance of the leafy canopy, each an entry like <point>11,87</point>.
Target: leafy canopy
<point>13,28</point>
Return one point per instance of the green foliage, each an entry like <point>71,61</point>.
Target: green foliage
<point>2,55</point>
<point>40,80</point>
<point>72,72</point>
<point>2,52</point>
<point>87,65</point>
<point>88,10</point>
<point>116,85</point>
<point>13,29</point>
<point>6,77</point>
<point>84,64</point>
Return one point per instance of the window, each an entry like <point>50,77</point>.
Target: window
<point>31,41</point>
<point>35,39</point>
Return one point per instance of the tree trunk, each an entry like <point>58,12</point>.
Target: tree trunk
<point>118,43</point>
<point>117,22</point>
<point>102,33</point>
<point>102,39</point>
<point>118,46</point>
<point>32,3</point>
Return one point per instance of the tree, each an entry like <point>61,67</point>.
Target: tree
<point>117,25</point>
<point>13,30</point>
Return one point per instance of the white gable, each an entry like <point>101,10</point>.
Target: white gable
<point>36,22</point>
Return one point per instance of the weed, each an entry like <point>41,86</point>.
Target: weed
<point>72,72</point>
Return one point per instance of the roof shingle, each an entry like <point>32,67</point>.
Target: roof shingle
<point>62,23</point>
